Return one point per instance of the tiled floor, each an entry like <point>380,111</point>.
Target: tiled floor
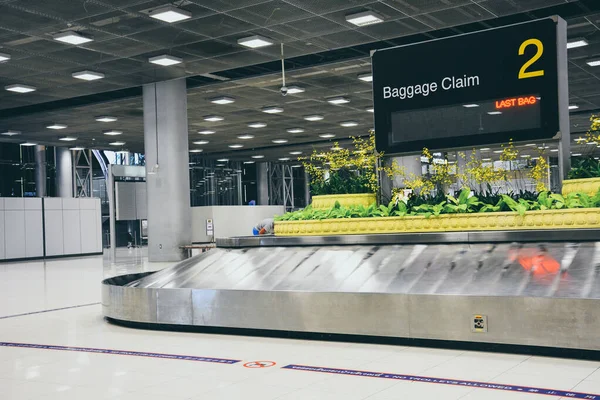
<point>29,287</point>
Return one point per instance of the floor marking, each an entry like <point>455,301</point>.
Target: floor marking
<point>51,310</point>
<point>455,382</point>
<point>260,364</point>
<point>308,368</point>
<point>120,352</point>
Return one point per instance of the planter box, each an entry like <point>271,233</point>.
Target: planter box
<point>583,218</point>
<point>345,200</point>
<point>586,185</point>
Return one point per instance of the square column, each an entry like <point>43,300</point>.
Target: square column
<point>167,169</point>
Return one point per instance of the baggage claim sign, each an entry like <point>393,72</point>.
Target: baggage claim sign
<point>473,89</point>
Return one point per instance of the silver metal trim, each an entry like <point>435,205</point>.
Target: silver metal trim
<point>580,235</point>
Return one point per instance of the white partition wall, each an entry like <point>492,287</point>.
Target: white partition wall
<point>229,221</point>
<point>72,226</point>
<point>67,226</point>
<point>21,228</point>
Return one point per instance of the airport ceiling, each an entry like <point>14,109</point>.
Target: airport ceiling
<point>324,56</point>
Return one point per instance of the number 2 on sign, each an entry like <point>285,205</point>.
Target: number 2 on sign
<point>523,73</point>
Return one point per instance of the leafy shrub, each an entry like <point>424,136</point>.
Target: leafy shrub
<point>429,206</point>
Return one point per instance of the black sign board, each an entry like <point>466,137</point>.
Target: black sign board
<point>473,89</point>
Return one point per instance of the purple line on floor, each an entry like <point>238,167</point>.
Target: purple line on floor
<point>120,352</point>
<point>441,381</point>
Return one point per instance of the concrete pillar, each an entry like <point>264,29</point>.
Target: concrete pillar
<point>40,171</point>
<point>64,172</point>
<point>262,184</point>
<point>168,186</point>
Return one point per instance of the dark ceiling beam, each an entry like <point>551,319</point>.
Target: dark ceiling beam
<point>567,10</point>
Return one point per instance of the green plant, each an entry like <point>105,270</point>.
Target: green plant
<point>347,170</point>
<point>429,206</point>
<point>587,167</point>
<point>465,203</point>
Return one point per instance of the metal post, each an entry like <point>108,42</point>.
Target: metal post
<point>110,190</point>
<point>40,171</point>
<point>288,187</point>
<point>262,184</point>
<point>306,188</point>
<point>564,136</point>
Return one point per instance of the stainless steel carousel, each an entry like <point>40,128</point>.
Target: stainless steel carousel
<point>534,288</point>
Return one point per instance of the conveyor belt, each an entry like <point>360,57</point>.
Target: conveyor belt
<point>538,270</point>
<point>408,286</point>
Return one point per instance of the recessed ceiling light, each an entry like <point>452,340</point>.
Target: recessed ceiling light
<point>10,133</point>
<point>327,135</point>
<point>530,144</point>
<point>348,124</point>
<point>223,160</point>
<point>592,62</point>
<point>18,88</point>
<point>295,89</point>
<point>485,149</point>
<point>364,18</point>
<point>366,77</point>
<point>68,139</point>
<point>494,112</point>
<point>196,151</point>
<point>284,159</point>
<point>106,118</point>
<point>112,132</point>
<point>470,105</point>
<point>525,156</point>
<point>117,143</point>
<point>296,166</point>
<point>255,42</point>
<point>170,14</point>
<point>272,110</point>
<point>295,153</point>
<point>206,132</point>
<point>315,117</point>
<point>486,159</point>
<point>236,146</point>
<point>165,60</point>
<point>369,109</point>
<point>336,148</point>
<point>246,137</point>
<point>222,100</point>
<point>72,37</point>
<point>248,162</point>
<point>338,100</point>
<point>578,42</point>
<point>257,125</point>
<point>28,144</point>
<point>279,141</point>
<point>554,150</point>
<point>258,157</point>
<point>56,126</point>
<point>77,148</point>
<point>576,154</point>
<point>498,151</point>
<point>201,142</point>
<point>88,75</point>
<point>213,118</point>
<point>295,130</point>
<point>4,57</point>
<point>573,107</point>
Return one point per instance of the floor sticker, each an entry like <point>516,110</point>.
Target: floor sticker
<point>260,364</point>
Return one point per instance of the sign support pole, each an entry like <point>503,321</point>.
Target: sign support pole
<point>564,135</point>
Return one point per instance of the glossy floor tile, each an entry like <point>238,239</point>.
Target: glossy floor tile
<point>57,303</point>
